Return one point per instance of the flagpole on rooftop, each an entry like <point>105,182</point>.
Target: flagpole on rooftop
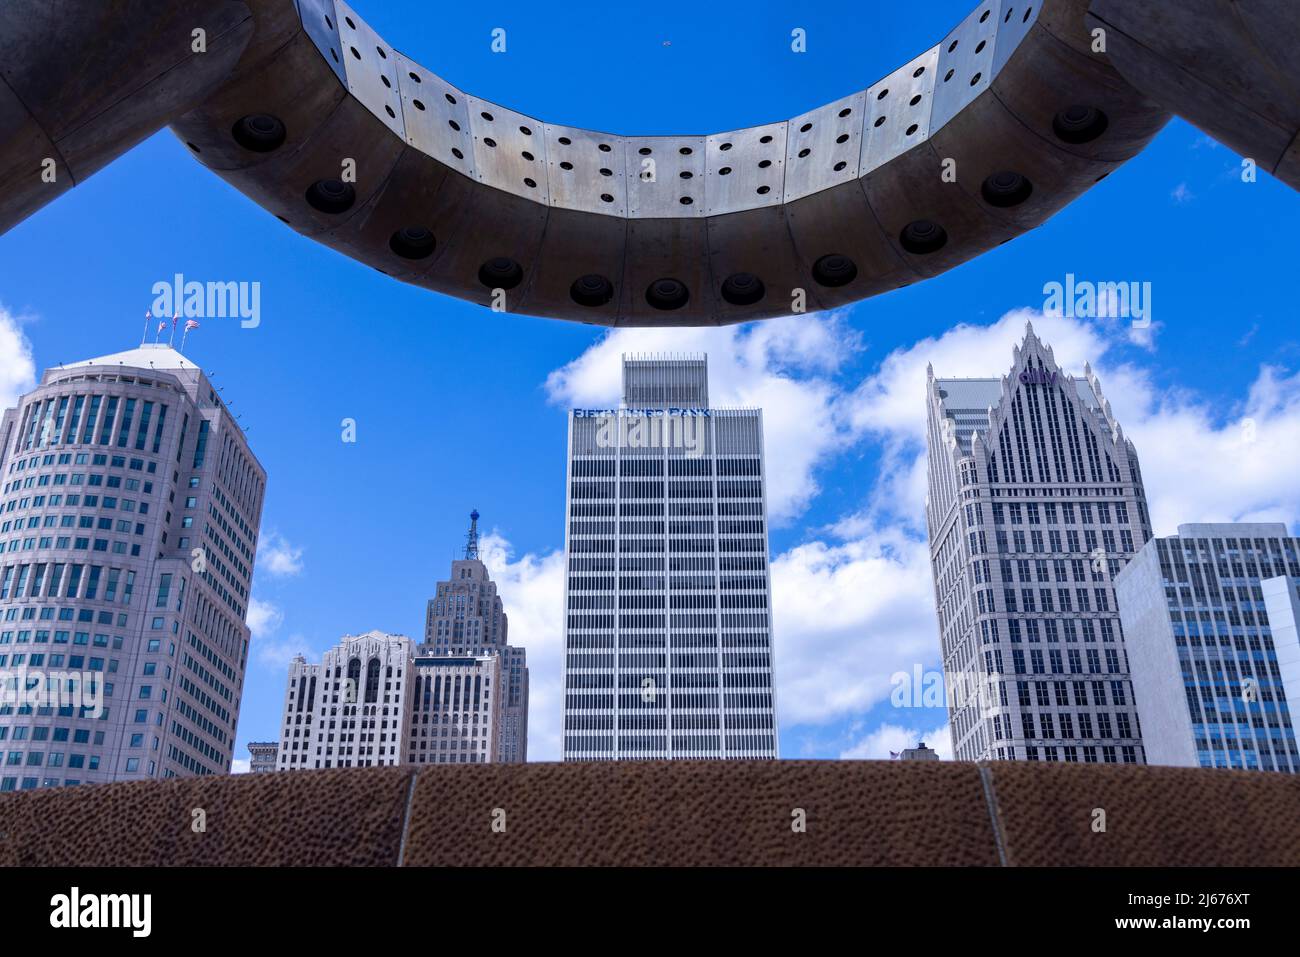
<point>145,335</point>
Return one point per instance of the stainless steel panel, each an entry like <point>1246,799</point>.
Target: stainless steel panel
<point>839,221</point>
<point>1018,18</point>
<point>320,20</point>
<point>577,244</point>
<point>899,108</point>
<point>303,105</point>
<point>509,150</point>
<point>575,161</point>
<point>350,131</point>
<point>910,189</point>
<point>745,169</point>
<point>487,223</point>
<point>824,147</point>
<point>674,248</point>
<point>420,192</point>
<point>985,139</point>
<point>677,188</point>
<point>437,116</point>
<point>1044,76</point>
<point>965,66</point>
<point>758,242</point>
<point>371,68</point>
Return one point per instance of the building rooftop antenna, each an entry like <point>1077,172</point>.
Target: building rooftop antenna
<point>471,540</point>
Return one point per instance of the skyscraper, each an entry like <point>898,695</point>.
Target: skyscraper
<point>466,617</point>
<point>1035,502</point>
<point>668,632</point>
<point>1210,619</point>
<point>373,700</point>
<point>262,756</point>
<point>131,505</point>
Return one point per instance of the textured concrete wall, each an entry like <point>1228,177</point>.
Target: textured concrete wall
<point>670,813</point>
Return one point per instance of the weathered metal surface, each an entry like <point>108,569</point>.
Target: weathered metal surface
<point>745,169</point>
<point>82,86</point>
<point>823,147</point>
<point>1238,80</point>
<point>368,151</point>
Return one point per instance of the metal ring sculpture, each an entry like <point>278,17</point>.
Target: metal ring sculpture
<point>849,200</point>
<point>986,134</point>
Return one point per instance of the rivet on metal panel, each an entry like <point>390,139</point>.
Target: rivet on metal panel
<point>899,117</point>
<point>437,118</point>
<point>509,150</point>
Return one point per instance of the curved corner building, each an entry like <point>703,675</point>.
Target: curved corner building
<point>129,516</point>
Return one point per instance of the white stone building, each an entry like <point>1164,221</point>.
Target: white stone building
<point>373,701</point>
<point>1035,503</point>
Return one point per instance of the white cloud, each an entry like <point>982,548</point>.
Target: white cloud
<point>239,766</point>
<point>845,618</point>
<point>1181,194</point>
<point>894,738</point>
<point>17,367</point>
<point>264,621</point>
<point>276,653</point>
<point>783,366</point>
<point>1254,441</point>
<point>264,618</point>
<point>532,591</point>
<point>855,604</point>
<point>278,557</point>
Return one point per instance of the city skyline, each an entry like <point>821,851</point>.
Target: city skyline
<point>932,730</point>
<point>338,341</point>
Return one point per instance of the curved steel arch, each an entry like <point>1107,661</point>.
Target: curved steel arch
<point>470,198</point>
<point>465,196</point>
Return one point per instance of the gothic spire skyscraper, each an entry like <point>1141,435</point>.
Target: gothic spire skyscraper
<point>1035,503</point>
<point>466,617</point>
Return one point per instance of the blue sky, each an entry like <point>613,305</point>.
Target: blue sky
<point>459,408</point>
